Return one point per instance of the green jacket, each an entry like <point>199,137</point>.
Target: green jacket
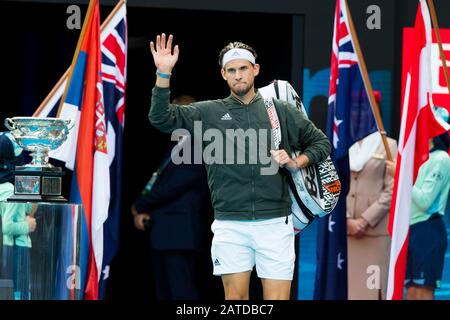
<point>239,190</point>
<point>13,214</point>
<point>430,191</point>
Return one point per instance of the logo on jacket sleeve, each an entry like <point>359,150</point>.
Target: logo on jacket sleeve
<point>216,262</point>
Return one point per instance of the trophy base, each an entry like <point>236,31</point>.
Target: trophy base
<point>37,184</point>
<point>35,198</point>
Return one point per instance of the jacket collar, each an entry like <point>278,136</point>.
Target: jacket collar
<point>233,102</point>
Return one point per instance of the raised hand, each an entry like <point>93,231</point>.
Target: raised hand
<point>162,53</point>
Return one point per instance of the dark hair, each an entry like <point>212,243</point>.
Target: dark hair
<point>6,149</point>
<point>235,45</point>
<point>442,142</point>
<point>8,160</point>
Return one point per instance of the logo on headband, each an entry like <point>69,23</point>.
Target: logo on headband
<point>238,53</point>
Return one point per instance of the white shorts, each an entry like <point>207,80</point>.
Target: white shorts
<point>238,245</point>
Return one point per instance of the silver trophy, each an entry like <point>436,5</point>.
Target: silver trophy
<point>38,180</point>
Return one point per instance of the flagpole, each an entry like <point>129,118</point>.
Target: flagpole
<point>66,74</point>
<point>52,92</point>
<point>368,85</point>
<point>77,51</point>
<point>438,38</point>
<point>111,15</point>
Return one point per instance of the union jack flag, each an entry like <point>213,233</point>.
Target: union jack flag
<point>110,120</point>
<point>350,119</point>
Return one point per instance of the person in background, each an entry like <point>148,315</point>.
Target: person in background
<point>427,234</point>
<point>440,112</point>
<point>368,205</point>
<point>174,207</point>
<point>17,222</point>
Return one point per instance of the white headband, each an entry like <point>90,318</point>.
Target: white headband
<point>237,53</point>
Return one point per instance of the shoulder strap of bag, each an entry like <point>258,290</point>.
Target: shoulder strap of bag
<point>276,134</point>
<point>274,121</point>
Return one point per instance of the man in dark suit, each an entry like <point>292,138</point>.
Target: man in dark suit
<point>175,207</point>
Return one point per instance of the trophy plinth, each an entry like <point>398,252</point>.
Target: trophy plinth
<point>38,180</point>
<point>37,184</point>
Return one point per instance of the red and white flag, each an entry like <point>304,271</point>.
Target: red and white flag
<point>418,125</point>
<point>93,149</point>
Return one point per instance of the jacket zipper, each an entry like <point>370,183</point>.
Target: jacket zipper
<point>253,177</point>
<point>251,166</point>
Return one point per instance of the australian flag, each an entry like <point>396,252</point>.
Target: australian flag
<point>102,126</point>
<point>350,118</point>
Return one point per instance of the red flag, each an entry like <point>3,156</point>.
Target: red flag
<point>419,124</point>
<point>84,94</point>
<point>106,195</point>
<point>87,136</point>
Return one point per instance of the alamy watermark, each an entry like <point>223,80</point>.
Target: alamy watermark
<point>73,280</point>
<point>374,20</point>
<point>373,281</point>
<point>74,19</point>
<point>235,146</point>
